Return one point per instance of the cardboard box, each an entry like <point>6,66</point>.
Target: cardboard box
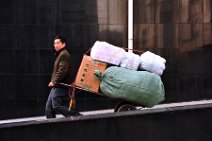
<point>85,77</point>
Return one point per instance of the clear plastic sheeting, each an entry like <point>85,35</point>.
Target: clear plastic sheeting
<point>105,52</point>
<point>131,61</point>
<point>152,63</point>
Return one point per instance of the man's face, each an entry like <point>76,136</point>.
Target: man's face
<point>58,44</point>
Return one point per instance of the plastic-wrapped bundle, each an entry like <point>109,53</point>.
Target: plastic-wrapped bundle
<point>139,87</point>
<point>108,53</point>
<point>131,61</point>
<point>152,63</point>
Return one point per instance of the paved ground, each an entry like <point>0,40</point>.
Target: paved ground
<point>160,106</point>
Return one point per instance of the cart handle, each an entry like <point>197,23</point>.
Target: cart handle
<point>66,85</point>
<point>71,93</point>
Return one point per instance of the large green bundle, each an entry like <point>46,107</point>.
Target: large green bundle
<point>139,87</point>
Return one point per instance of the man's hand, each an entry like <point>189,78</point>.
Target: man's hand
<point>51,84</point>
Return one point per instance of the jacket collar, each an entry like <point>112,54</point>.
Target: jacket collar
<point>58,52</point>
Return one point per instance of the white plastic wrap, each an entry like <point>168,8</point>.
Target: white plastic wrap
<point>152,63</point>
<point>106,52</point>
<point>130,61</point>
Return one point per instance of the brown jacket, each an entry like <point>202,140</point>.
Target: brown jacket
<point>62,67</point>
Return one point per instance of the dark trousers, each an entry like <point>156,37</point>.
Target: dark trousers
<point>58,103</point>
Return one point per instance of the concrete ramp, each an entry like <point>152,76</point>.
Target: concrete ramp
<point>188,121</point>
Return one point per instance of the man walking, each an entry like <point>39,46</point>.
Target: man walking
<point>57,102</point>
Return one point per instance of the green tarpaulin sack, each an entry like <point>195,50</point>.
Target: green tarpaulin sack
<point>139,87</point>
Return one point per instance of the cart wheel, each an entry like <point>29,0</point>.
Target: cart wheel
<point>124,107</point>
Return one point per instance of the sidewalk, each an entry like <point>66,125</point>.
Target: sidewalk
<point>85,113</point>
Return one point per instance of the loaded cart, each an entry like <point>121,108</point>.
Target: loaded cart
<point>134,88</point>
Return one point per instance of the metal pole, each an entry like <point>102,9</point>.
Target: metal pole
<point>130,25</point>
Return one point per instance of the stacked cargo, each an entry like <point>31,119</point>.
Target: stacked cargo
<point>123,80</point>
<point>105,52</point>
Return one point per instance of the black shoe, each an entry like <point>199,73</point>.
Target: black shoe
<point>75,116</point>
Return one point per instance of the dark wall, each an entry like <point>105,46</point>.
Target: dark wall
<point>27,29</point>
<point>178,30</point>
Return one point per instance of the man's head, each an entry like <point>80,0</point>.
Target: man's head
<point>59,42</point>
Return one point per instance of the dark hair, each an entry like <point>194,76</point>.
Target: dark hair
<point>62,39</point>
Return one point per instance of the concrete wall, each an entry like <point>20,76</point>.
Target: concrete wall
<point>171,124</point>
